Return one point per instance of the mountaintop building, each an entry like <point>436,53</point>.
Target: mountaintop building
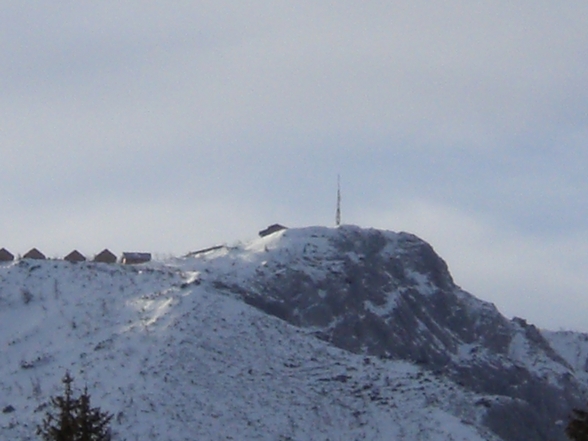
<point>105,256</point>
<point>5,255</point>
<point>272,229</point>
<point>75,256</point>
<point>34,254</point>
<point>135,258</point>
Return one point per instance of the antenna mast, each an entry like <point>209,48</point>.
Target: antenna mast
<point>338,215</point>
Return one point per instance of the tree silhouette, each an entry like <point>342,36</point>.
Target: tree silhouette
<point>73,418</point>
<point>577,428</point>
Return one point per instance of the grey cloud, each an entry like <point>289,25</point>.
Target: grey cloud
<point>488,71</point>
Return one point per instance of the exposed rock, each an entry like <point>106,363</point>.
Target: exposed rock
<point>390,295</point>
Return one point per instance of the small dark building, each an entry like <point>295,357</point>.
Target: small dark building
<point>135,258</point>
<point>105,256</point>
<point>6,256</point>
<point>271,229</point>
<point>34,254</point>
<point>75,256</point>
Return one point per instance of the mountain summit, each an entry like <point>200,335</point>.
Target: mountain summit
<point>390,295</point>
<point>303,334</point>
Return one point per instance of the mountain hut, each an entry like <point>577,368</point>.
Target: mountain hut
<point>272,229</point>
<point>135,258</point>
<point>6,256</point>
<point>74,257</point>
<point>34,254</point>
<point>105,256</point>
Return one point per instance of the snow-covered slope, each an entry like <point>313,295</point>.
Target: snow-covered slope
<point>390,295</point>
<point>209,347</point>
<point>178,361</point>
<point>573,347</point>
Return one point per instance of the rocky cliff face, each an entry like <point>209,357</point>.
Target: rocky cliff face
<point>175,359</point>
<point>390,295</point>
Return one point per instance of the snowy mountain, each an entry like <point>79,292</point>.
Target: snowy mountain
<point>305,334</point>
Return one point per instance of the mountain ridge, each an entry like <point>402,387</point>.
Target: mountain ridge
<point>197,340</point>
<point>390,295</point>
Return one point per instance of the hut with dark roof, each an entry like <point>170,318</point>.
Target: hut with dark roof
<point>74,257</point>
<point>34,254</point>
<point>6,256</point>
<point>105,256</point>
<point>271,229</point>
<point>135,258</point>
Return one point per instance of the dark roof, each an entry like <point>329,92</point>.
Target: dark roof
<point>129,258</point>
<point>105,256</point>
<point>75,256</point>
<point>34,254</point>
<point>271,229</point>
<point>5,255</point>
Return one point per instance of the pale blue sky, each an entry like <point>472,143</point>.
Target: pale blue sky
<point>167,127</point>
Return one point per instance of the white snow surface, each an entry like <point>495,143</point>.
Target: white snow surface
<point>173,358</point>
<point>573,348</point>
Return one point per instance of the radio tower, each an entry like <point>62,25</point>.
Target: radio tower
<point>338,215</point>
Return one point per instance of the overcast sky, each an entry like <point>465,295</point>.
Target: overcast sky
<point>173,126</point>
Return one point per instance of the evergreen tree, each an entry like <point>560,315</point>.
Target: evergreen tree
<point>73,418</point>
<point>92,423</point>
<point>577,428</point>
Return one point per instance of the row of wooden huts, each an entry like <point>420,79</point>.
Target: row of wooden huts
<point>104,256</point>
